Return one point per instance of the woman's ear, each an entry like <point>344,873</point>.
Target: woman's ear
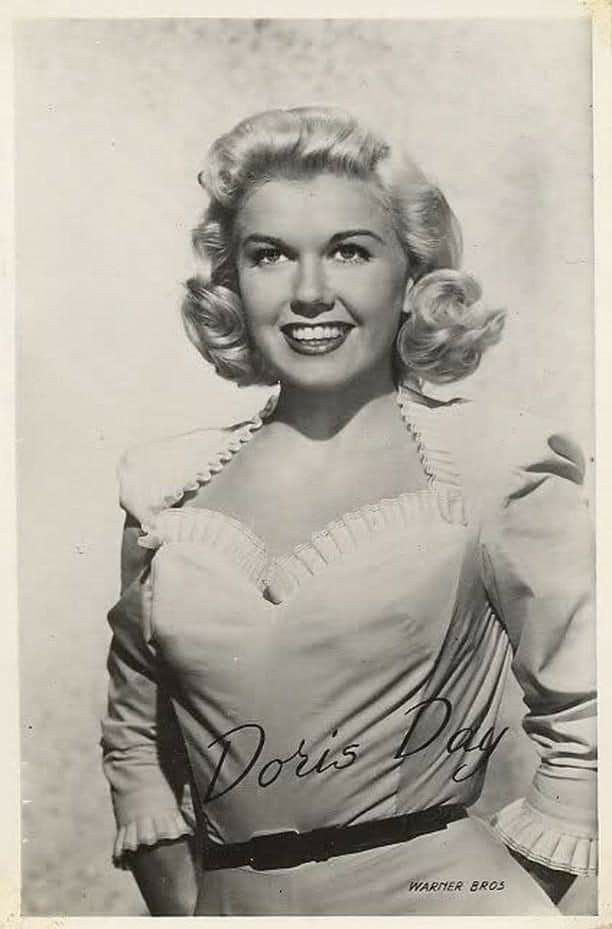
<point>407,304</point>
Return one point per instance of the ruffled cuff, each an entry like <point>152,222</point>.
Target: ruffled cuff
<point>149,830</point>
<point>544,839</point>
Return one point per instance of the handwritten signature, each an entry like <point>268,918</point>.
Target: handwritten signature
<point>435,709</point>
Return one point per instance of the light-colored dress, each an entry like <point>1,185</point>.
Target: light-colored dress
<point>359,676</point>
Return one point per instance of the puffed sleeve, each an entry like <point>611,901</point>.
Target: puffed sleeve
<point>143,756</point>
<point>537,553</point>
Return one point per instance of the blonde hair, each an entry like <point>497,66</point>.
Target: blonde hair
<point>446,328</point>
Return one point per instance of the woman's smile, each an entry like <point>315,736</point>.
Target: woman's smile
<point>322,278</point>
<point>316,340</point>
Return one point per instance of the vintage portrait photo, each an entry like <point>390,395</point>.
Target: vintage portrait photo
<point>305,461</point>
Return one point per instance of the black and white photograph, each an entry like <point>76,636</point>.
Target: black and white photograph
<point>305,442</point>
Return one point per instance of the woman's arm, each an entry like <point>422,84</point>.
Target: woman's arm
<point>143,755</point>
<point>538,569</point>
<point>168,876</point>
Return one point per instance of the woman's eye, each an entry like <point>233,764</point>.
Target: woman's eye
<point>268,256</point>
<point>351,253</point>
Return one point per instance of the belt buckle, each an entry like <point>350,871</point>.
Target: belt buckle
<point>265,849</point>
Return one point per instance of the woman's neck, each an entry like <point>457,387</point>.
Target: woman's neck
<point>356,414</point>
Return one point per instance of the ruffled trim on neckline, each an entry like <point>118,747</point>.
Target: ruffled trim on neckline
<point>286,573</point>
<point>429,427</point>
<point>149,536</point>
<point>281,575</point>
<point>148,830</point>
<point>540,838</point>
<point>227,536</point>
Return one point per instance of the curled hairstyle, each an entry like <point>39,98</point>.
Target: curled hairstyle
<point>445,328</point>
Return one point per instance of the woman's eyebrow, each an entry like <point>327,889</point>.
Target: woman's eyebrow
<point>348,233</point>
<point>337,237</point>
<point>261,237</point>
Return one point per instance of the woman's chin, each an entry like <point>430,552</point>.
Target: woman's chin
<point>320,383</point>
<point>313,374</point>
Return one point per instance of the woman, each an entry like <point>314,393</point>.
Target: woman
<point>319,606</point>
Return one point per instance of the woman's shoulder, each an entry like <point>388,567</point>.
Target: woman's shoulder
<point>511,436</point>
<point>495,448</point>
<point>156,474</point>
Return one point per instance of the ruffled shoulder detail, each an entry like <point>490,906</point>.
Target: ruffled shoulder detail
<point>431,424</point>
<point>156,475</point>
<point>149,830</point>
<point>492,452</point>
<point>539,837</point>
<point>506,439</point>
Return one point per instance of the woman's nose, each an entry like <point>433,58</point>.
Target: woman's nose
<point>311,294</point>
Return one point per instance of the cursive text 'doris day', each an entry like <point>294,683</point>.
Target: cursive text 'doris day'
<point>300,762</point>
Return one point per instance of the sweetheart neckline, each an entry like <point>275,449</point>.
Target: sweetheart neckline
<point>253,425</point>
<point>257,560</point>
<point>280,577</point>
<point>272,559</point>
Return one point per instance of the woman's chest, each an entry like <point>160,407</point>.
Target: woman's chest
<point>365,593</point>
<point>286,499</point>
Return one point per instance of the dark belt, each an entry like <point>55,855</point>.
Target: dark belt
<point>288,849</point>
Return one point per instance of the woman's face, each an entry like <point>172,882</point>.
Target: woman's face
<point>322,278</point>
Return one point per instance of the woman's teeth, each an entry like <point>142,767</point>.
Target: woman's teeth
<point>316,340</point>
<point>310,333</point>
